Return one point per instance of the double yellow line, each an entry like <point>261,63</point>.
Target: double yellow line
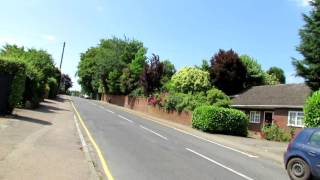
<point>96,147</point>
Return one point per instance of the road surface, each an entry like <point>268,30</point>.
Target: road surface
<point>136,148</point>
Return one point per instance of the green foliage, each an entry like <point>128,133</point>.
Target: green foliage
<point>216,97</point>
<point>152,74</point>
<point>54,88</point>
<point>309,68</point>
<point>138,92</point>
<point>220,120</point>
<point>17,69</point>
<point>190,80</point>
<point>312,110</point>
<point>255,74</point>
<point>39,68</point>
<point>274,133</point>
<point>228,73</point>
<point>114,66</point>
<point>181,101</point>
<point>278,73</point>
<point>65,84</point>
<point>270,79</point>
<point>168,72</point>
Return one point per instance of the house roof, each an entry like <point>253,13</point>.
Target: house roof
<point>273,96</point>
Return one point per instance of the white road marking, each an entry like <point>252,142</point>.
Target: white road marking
<point>147,129</point>
<point>109,111</point>
<point>83,142</point>
<point>219,164</point>
<point>125,118</point>
<point>218,144</point>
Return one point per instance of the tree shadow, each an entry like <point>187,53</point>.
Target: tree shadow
<point>29,119</point>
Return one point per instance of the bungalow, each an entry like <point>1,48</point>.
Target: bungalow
<point>273,104</point>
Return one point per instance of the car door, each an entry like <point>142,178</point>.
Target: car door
<point>313,152</point>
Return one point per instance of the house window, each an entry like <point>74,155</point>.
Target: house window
<point>255,116</point>
<point>295,118</point>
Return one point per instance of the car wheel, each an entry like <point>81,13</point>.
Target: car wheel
<point>298,169</point>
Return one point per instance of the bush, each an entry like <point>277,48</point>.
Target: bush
<point>216,97</point>
<point>274,133</point>
<point>181,101</point>
<point>190,80</point>
<point>220,120</point>
<point>18,70</point>
<point>312,110</point>
<point>54,87</point>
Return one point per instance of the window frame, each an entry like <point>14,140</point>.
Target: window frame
<point>295,120</point>
<point>255,122</point>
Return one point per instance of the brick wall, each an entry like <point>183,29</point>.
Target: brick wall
<point>141,104</point>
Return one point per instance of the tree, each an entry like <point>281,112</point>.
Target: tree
<point>278,73</point>
<point>255,74</point>
<point>168,71</point>
<point>113,66</point>
<point>228,73</point>
<point>152,74</point>
<point>312,110</point>
<point>270,79</point>
<point>309,67</point>
<point>66,83</point>
<point>39,69</point>
<point>191,80</point>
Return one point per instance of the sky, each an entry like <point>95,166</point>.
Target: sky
<point>183,31</point>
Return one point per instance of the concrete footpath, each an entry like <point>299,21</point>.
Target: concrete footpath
<point>262,148</point>
<point>43,144</point>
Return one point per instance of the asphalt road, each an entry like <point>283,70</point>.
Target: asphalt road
<point>136,148</point>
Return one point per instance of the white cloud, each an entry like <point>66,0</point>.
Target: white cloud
<point>48,37</point>
<point>302,3</point>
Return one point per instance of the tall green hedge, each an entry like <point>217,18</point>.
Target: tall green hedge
<point>18,70</point>
<point>220,120</point>
<point>312,110</point>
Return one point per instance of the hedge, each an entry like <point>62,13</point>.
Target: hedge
<point>18,70</point>
<point>312,110</point>
<point>220,120</point>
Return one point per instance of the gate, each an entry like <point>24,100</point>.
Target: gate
<point>5,84</point>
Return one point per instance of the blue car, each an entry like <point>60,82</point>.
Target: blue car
<point>302,159</point>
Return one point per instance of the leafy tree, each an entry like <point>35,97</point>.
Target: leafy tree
<point>270,79</point>
<point>39,69</point>
<point>216,97</point>
<point>205,65</point>
<point>228,73</point>
<point>66,83</point>
<point>312,110</point>
<point>278,73</point>
<point>152,74</point>
<point>169,70</point>
<point>114,66</point>
<point>309,67</point>
<point>255,74</point>
<point>190,80</point>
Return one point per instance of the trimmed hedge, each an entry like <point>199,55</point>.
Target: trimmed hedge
<point>18,70</point>
<point>312,110</point>
<point>220,120</point>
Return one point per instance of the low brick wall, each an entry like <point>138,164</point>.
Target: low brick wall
<point>141,104</point>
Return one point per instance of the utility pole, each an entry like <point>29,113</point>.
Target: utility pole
<point>64,45</point>
<point>59,85</point>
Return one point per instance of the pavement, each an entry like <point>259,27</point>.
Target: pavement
<point>135,146</point>
<point>43,144</point>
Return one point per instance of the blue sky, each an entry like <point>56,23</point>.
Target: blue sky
<point>184,31</point>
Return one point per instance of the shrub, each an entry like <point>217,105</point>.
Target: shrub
<point>54,87</point>
<point>312,110</point>
<point>190,80</point>
<point>220,120</point>
<point>274,133</point>
<point>216,97</point>
<point>181,101</point>
<point>18,70</point>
